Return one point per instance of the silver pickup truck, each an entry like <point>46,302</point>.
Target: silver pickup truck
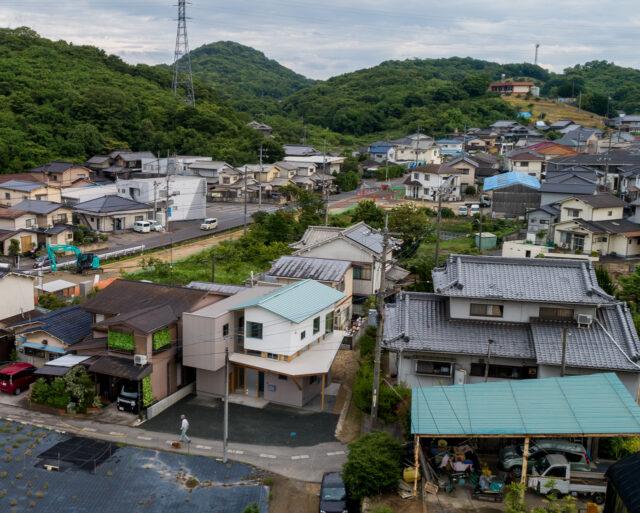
<point>553,472</point>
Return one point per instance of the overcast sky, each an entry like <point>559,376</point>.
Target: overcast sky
<point>321,40</point>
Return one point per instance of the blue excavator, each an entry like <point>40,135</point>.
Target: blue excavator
<point>85,262</point>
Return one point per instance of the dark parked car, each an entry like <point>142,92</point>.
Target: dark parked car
<point>128,397</point>
<point>41,261</point>
<point>334,497</point>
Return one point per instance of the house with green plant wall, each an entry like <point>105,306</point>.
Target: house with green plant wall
<point>137,336</point>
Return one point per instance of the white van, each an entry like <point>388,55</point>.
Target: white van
<point>462,210</point>
<point>475,209</point>
<point>211,223</point>
<point>142,226</point>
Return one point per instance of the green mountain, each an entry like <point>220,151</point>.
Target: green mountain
<point>438,94</point>
<point>62,101</point>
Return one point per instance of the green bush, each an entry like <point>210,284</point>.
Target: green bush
<point>446,213</point>
<point>147,393</point>
<point>117,340</point>
<point>373,465</point>
<point>252,508</point>
<point>389,402</point>
<point>617,447</point>
<point>161,338</point>
<point>367,343</point>
<point>470,190</point>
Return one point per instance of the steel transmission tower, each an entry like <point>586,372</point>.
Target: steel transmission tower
<point>182,78</point>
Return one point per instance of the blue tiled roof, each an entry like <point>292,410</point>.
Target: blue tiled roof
<point>510,178</point>
<point>69,324</point>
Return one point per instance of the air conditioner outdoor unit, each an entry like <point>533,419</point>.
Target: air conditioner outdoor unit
<point>585,320</point>
<point>139,359</point>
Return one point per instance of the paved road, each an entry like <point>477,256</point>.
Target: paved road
<point>304,463</point>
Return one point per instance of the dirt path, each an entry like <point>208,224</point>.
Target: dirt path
<point>343,370</point>
<point>293,495</point>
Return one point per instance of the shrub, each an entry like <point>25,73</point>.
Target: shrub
<point>470,190</point>
<point>617,447</point>
<point>373,465</point>
<point>446,213</point>
<point>367,343</point>
<point>252,508</point>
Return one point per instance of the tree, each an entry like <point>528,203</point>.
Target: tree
<point>411,221</point>
<point>373,464</point>
<point>347,181</point>
<point>470,190</point>
<point>51,301</point>
<point>605,281</point>
<point>369,212</point>
<point>14,248</point>
<point>630,288</point>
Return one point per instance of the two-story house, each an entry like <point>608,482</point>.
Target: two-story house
<point>528,162</point>
<point>595,223</point>
<point>15,191</point>
<point>424,182</point>
<point>495,318</point>
<point>467,165</point>
<point>363,247</point>
<point>18,225</point>
<point>53,221</point>
<point>137,332</point>
<point>62,174</point>
<point>281,342</point>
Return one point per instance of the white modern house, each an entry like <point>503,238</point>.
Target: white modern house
<point>281,342</point>
<point>185,196</point>
<point>180,164</point>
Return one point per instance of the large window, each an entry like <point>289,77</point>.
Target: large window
<point>556,313</point>
<point>482,310</point>
<point>254,329</point>
<point>361,272</point>
<point>504,371</point>
<point>328,323</point>
<point>431,368</point>
<point>573,212</point>
<point>316,325</point>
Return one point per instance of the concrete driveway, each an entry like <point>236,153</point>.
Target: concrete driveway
<point>272,425</point>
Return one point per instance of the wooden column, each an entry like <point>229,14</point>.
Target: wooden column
<point>323,378</point>
<point>525,460</point>
<point>416,449</point>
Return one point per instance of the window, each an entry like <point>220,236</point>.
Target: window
<point>610,213</point>
<point>504,371</point>
<point>416,176</point>
<point>429,368</point>
<point>557,472</point>
<point>556,313</point>
<point>7,195</point>
<point>253,352</point>
<point>524,164</point>
<point>60,219</point>
<point>303,335</point>
<point>573,212</point>
<point>483,310</point>
<point>426,191</point>
<point>361,272</point>
<point>55,178</point>
<point>465,171</point>
<point>254,329</point>
<point>427,177</point>
<point>282,377</point>
<point>139,218</point>
<point>225,330</point>
<point>544,221</point>
<point>29,223</point>
<point>313,379</point>
<point>272,356</point>
<point>316,325</point>
<point>225,180</point>
<point>328,323</point>
<point>601,239</point>
<point>533,220</point>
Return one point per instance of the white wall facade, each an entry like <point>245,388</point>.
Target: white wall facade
<point>16,295</point>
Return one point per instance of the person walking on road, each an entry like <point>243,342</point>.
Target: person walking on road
<point>183,429</point>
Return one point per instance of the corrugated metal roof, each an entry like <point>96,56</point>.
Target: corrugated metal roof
<point>510,178</point>
<point>322,269</point>
<point>297,301</point>
<point>576,405</point>
<point>221,288</point>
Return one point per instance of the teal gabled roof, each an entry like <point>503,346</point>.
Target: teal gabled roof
<point>598,404</point>
<point>297,301</point>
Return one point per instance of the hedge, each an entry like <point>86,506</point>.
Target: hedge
<point>161,338</point>
<point>119,340</point>
<point>147,393</point>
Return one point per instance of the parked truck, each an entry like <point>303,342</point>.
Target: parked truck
<point>553,472</point>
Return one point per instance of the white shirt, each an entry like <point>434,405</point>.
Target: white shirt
<point>185,424</point>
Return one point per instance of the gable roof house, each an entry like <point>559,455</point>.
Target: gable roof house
<point>112,213</point>
<point>14,191</point>
<point>581,139</point>
<point>510,314</point>
<point>51,335</point>
<point>62,174</point>
<point>423,182</point>
<point>145,319</point>
<point>526,161</point>
<point>561,185</point>
<point>53,220</point>
<point>512,193</point>
<point>595,224</point>
<point>359,244</point>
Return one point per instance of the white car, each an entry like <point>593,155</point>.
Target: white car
<point>142,226</point>
<point>462,210</point>
<point>475,209</point>
<point>156,226</point>
<point>210,223</point>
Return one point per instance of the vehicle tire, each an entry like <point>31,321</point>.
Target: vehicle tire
<point>18,390</point>
<point>516,471</point>
<point>556,493</point>
<point>598,498</point>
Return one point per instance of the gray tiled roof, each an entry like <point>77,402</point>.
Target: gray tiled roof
<point>110,203</point>
<point>54,167</point>
<point>21,185</point>
<point>365,235</point>
<point>420,322</point>
<point>423,320</point>
<point>69,324</point>
<point>322,269</point>
<point>220,288</point>
<point>519,279</point>
<point>38,206</point>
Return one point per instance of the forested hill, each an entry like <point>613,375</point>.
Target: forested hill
<point>438,94</point>
<point>61,101</point>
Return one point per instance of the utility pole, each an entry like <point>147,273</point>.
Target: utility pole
<point>564,352</point>
<point>606,167</point>
<point>480,232</point>
<point>225,435</point>
<point>486,367</point>
<point>260,180</point>
<point>325,190</point>
<point>379,326</point>
<point>245,200</point>
<point>417,145</point>
<point>535,59</point>
<point>155,200</point>
<point>213,268</point>
<point>182,76</point>
<point>608,100</point>
<point>166,203</point>
<point>386,162</point>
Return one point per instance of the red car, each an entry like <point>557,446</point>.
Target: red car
<point>16,377</point>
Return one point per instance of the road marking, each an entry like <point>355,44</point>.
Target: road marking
<point>145,438</point>
<point>300,457</point>
<point>335,453</point>
<point>233,451</point>
<point>203,447</point>
<point>89,429</point>
<point>115,433</point>
<point>270,456</point>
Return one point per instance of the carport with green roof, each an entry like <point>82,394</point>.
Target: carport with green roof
<point>596,405</point>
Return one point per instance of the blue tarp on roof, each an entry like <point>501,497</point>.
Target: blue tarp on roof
<point>576,405</point>
<point>510,178</point>
<point>44,348</point>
